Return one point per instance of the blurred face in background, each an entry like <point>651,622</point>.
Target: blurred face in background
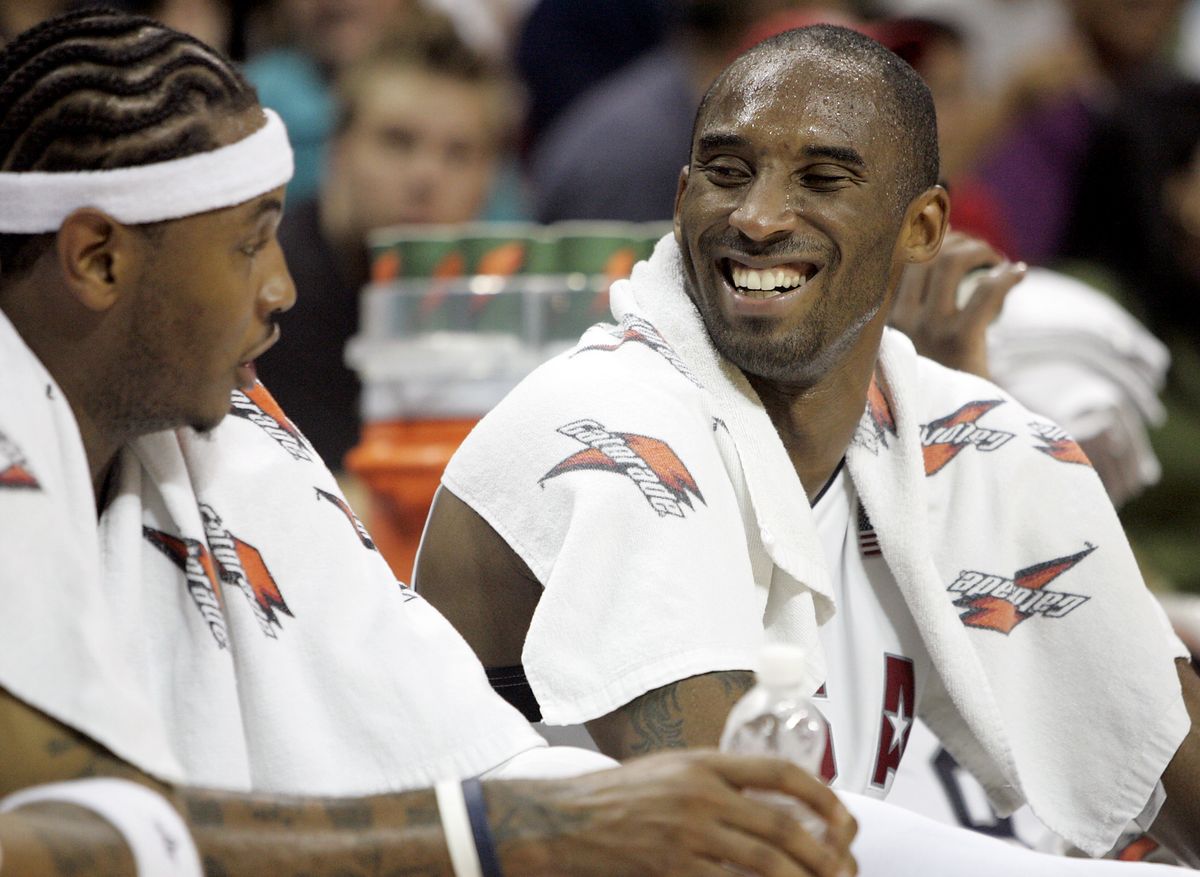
<point>336,32</point>
<point>1126,33</point>
<point>1181,206</point>
<point>945,67</point>
<point>419,147</point>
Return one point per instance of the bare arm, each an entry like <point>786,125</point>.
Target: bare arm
<point>683,714</point>
<point>235,833</point>
<point>471,575</point>
<point>683,813</point>
<point>1178,823</point>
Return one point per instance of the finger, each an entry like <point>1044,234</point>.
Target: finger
<point>949,269</point>
<point>785,777</point>
<point>706,868</point>
<point>798,854</point>
<point>987,300</point>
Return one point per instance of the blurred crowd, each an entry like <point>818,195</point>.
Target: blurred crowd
<point>1070,139</point>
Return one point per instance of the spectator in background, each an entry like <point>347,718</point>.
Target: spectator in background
<point>423,122</point>
<point>216,22</point>
<point>939,52</point>
<point>1034,170</point>
<point>566,47</point>
<point>616,152</point>
<point>296,80</point>
<point>1137,220</point>
<point>19,15</point>
<point>1003,37</point>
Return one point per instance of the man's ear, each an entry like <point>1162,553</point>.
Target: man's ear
<point>925,223</point>
<point>679,190</point>
<point>97,257</point>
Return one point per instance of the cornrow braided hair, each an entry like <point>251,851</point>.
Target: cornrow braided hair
<point>96,89</point>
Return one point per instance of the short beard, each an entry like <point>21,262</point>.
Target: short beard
<point>799,360</point>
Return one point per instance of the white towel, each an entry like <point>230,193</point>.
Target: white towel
<point>1069,352</point>
<point>230,624</point>
<point>1033,702</point>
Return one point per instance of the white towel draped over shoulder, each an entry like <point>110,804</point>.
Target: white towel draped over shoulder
<point>230,624</point>
<point>642,482</point>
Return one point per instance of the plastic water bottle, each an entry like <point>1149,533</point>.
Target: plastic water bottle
<point>777,718</point>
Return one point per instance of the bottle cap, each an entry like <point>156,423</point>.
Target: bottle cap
<point>781,664</point>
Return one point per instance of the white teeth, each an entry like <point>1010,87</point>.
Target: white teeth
<point>775,280</point>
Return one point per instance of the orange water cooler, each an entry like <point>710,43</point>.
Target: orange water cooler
<point>401,464</point>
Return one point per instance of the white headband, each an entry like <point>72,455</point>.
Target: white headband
<point>32,202</point>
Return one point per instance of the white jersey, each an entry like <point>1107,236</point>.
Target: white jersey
<point>877,664</point>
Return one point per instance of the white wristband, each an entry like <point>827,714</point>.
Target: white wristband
<point>456,825</point>
<point>156,834</point>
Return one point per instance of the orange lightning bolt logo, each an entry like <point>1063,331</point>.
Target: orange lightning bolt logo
<point>195,561</point>
<point>225,561</point>
<point>651,464</point>
<point>1057,443</point>
<point>340,504</point>
<point>993,602</point>
<point>260,408</point>
<point>877,421</point>
<point>14,468</point>
<point>943,439</point>
<point>637,330</point>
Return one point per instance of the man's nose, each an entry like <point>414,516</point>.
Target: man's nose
<point>764,212</point>
<point>278,292</point>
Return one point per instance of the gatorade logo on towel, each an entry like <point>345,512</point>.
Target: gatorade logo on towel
<point>944,438</point>
<point>998,603</point>
<point>260,408</point>
<point>14,468</point>
<point>229,562</point>
<point>639,331</point>
<point>1058,444</point>
<point>649,463</point>
<point>877,421</point>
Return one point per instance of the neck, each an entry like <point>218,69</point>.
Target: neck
<point>65,349</point>
<point>817,423</point>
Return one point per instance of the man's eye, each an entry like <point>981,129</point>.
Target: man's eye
<point>399,139</point>
<point>253,248</point>
<point>725,173</point>
<point>823,180</point>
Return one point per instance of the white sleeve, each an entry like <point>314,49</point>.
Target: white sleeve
<point>900,843</point>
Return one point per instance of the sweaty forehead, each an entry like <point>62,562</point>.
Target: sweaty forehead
<point>794,95</point>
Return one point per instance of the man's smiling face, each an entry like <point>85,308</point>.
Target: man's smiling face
<point>789,213</point>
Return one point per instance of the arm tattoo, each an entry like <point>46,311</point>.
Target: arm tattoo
<point>656,720</point>
<point>689,712</point>
<point>393,835</point>
<point>735,683</point>
<point>79,844</point>
<point>517,816</point>
<point>350,813</point>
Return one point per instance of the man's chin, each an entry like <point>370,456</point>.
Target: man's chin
<point>205,425</point>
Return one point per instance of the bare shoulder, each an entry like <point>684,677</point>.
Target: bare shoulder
<point>472,576</point>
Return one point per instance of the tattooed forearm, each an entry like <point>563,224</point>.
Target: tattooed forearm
<point>237,835</point>
<point>316,837</point>
<point>70,755</point>
<point>63,841</point>
<point>517,815</point>
<point>534,824</point>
